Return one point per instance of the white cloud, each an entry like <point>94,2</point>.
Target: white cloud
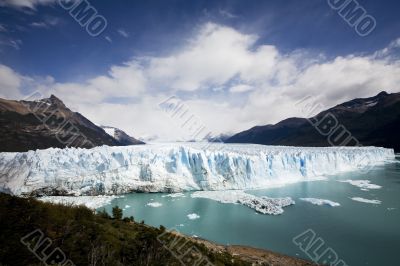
<point>47,23</point>
<point>52,21</point>
<point>212,58</point>
<point>121,81</point>
<point>240,88</point>
<point>3,28</point>
<point>229,82</point>
<point>108,39</point>
<point>227,14</point>
<point>31,4</point>
<point>39,24</point>
<point>123,33</point>
<point>14,43</point>
<point>387,50</point>
<point>10,82</point>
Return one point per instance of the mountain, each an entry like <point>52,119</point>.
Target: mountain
<point>268,134</point>
<point>373,121</point>
<point>121,136</point>
<point>218,138</point>
<point>45,123</point>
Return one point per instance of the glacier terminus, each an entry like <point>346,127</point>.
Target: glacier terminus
<point>175,167</point>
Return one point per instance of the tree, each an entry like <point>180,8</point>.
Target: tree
<point>117,213</point>
<point>104,214</point>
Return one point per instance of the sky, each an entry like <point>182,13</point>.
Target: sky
<point>231,64</point>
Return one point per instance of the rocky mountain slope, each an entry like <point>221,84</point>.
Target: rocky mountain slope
<point>45,123</point>
<point>373,121</point>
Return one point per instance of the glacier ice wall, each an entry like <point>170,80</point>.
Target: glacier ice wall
<point>175,167</point>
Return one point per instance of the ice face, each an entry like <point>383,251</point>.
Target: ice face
<point>92,202</point>
<point>175,167</point>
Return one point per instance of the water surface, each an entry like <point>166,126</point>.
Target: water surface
<point>360,233</point>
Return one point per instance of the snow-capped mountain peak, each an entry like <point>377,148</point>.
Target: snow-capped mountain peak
<point>121,136</point>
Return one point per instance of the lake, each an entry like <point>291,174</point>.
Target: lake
<point>360,233</point>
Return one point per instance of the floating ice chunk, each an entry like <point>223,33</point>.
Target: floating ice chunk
<point>262,205</point>
<point>366,200</point>
<point>174,195</point>
<point>193,216</point>
<point>365,185</point>
<point>154,204</point>
<point>321,202</point>
<point>92,202</point>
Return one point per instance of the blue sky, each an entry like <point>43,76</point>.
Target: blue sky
<point>222,57</point>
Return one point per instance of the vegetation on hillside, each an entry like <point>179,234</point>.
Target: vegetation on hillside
<point>78,236</point>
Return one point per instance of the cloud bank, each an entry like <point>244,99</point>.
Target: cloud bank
<point>228,81</point>
<point>31,4</point>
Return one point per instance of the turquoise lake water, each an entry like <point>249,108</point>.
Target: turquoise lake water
<point>360,233</point>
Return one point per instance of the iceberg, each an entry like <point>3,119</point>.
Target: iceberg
<point>193,216</point>
<point>364,185</point>
<point>264,205</point>
<point>366,200</point>
<point>321,202</point>
<point>174,195</point>
<point>154,204</point>
<point>175,167</point>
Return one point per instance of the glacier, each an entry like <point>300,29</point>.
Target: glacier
<point>175,167</point>
<point>92,202</point>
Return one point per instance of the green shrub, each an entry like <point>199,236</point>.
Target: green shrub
<point>117,213</point>
<point>84,237</point>
<point>103,214</point>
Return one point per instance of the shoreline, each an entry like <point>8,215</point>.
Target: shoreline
<point>249,254</point>
<point>88,230</point>
<point>252,255</point>
<point>256,255</point>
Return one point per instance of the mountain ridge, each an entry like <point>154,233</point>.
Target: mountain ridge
<point>372,121</point>
<point>46,123</point>
<point>121,136</point>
